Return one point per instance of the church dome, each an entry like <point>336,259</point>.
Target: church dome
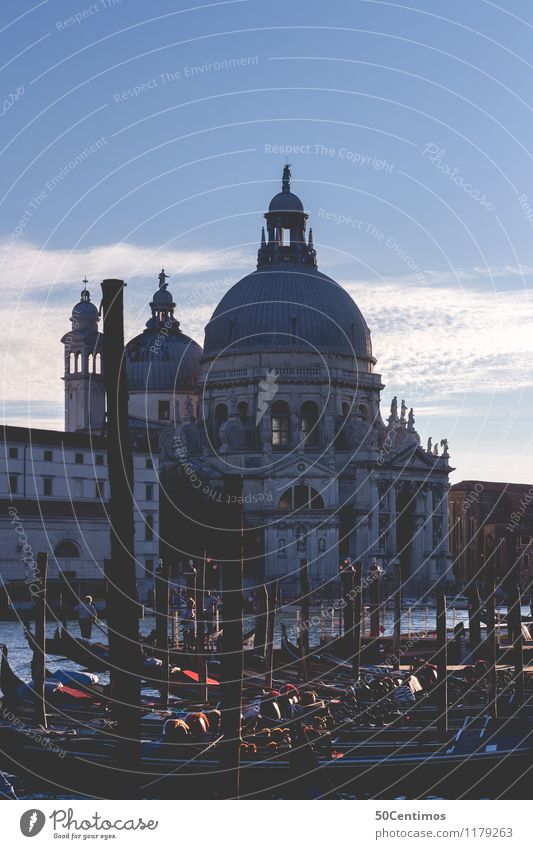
<point>85,308</point>
<point>288,306</point>
<point>287,303</point>
<point>286,202</point>
<point>162,358</point>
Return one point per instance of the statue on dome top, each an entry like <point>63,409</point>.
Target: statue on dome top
<point>163,279</point>
<point>286,181</point>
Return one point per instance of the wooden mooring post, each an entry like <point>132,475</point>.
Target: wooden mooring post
<point>176,629</point>
<point>304,619</point>
<point>397,628</point>
<point>162,610</point>
<point>357,609</point>
<point>272,604</point>
<point>492,692</point>
<point>474,618</point>
<point>375,602</point>
<point>441,688</point>
<point>231,542</point>
<point>201,656</point>
<point>39,648</point>
<point>122,601</point>
<point>515,622</point>
<point>261,616</point>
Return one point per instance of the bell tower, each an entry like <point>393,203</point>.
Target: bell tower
<point>83,372</point>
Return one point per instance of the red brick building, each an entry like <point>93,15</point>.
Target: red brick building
<point>484,515</point>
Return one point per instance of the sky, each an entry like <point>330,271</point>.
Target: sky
<point>136,136</point>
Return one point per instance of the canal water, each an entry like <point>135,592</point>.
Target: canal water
<point>417,620</point>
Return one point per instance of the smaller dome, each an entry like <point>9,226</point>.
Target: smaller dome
<point>162,363</point>
<point>84,308</point>
<point>286,202</point>
<point>162,358</point>
<point>163,298</point>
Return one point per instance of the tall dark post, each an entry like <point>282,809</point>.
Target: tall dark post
<point>356,608</point>
<point>492,693</point>
<point>162,612</point>
<point>271,622</point>
<point>441,688</point>
<point>123,610</point>
<point>201,657</point>
<point>474,617</point>
<point>397,634</point>
<point>304,606</point>
<point>261,616</point>
<point>515,623</point>
<point>232,635</point>
<point>39,649</point>
<point>375,602</point>
<point>347,591</point>
<point>190,574</point>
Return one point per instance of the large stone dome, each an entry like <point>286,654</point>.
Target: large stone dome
<point>288,306</point>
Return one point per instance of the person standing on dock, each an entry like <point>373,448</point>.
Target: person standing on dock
<point>87,616</point>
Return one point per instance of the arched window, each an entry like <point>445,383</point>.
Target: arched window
<point>280,424</point>
<point>66,548</point>
<point>71,363</point>
<point>98,364</point>
<point>321,545</point>
<point>78,362</point>
<point>345,410</point>
<point>221,415</point>
<point>90,363</point>
<point>309,422</point>
<point>363,412</point>
<point>282,552</point>
<point>243,410</point>
<point>301,497</point>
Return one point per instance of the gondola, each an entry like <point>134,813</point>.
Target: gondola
<point>73,694</point>
<point>485,757</point>
<point>65,693</point>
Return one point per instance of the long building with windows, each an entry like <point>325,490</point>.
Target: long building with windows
<point>54,485</point>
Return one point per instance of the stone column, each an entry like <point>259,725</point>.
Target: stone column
<point>392,521</point>
<point>444,554</point>
<point>418,540</point>
<point>373,517</point>
<point>429,520</point>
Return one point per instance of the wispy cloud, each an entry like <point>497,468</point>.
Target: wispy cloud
<point>448,340</point>
<point>25,266</point>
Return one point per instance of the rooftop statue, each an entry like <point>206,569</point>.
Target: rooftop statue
<point>163,279</point>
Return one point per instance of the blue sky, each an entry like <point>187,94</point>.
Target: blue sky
<point>139,135</point>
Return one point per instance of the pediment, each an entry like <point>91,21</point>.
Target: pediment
<point>414,457</point>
